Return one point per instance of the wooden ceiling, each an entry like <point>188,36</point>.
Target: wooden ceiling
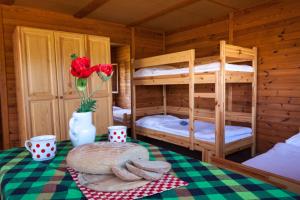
<point>165,15</point>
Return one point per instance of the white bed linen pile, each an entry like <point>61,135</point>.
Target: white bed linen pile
<point>203,130</point>
<point>210,67</point>
<point>118,113</point>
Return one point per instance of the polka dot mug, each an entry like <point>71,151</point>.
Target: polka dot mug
<point>42,147</point>
<point>117,133</point>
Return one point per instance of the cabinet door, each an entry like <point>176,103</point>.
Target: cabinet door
<point>39,82</point>
<point>67,44</point>
<point>99,52</point>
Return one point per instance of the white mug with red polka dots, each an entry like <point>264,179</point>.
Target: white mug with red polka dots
<point>117,133</point>
<point>42,147</point>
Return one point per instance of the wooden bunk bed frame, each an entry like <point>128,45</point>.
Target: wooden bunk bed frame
<point>228,54</point>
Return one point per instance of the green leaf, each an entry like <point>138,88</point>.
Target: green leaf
<point>81,84</point>
<point>88,105</point>
<point>73,56</point>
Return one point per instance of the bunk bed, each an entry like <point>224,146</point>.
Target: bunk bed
<point>122,116</point>
<point>217,70</point>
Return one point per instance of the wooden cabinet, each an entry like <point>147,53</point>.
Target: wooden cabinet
<point>46,91</point>
<point>67,44</point>
<point>98,49</point>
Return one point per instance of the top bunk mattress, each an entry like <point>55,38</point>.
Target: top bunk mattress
<point>204,131</point>
<point>210,67</point>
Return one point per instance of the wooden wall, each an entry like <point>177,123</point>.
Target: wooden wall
<point>275,29</point>
<point>12,16</point>
<point>148,43</point>
<point>121,56</point>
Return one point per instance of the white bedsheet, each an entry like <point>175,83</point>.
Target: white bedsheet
<point>116,108</point>
<point>283,159</point>
<point>210,67</point>
<point>118,113</point>
<point>203,130</point>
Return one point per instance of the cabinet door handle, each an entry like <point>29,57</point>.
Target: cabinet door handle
<point>61,97</point>
<point>56,97</point>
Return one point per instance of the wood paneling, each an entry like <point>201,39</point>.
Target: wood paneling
<point>13,16</point>
<point>204,39</point>
<point>274,29</point>
<point>148,43</point>
<point>90,7</point>
<point>121,56</point>
<point>98,50</point>
<point>177,5</point>
<point>37,83</point>
<point>67,44</point>
<point>3,93</point>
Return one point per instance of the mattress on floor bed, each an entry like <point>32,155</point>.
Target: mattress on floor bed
<point>283,159</point>
<point>204,131</point>
<point>211,67</point>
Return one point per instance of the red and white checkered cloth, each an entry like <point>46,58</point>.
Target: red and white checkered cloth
<point>168,182</point>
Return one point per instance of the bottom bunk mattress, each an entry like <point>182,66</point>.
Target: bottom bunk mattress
<point>118,113</point>
<point>282,160</point>
<point>204,131</point>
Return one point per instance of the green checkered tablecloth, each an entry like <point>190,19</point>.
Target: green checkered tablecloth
<point>22,178</point>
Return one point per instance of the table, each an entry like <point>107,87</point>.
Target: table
<point>22,178</point>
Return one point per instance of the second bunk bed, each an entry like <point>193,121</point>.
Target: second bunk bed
<point>203,130</point>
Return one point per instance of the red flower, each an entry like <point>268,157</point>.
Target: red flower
<point>80,67</point>
<point>105,69</point>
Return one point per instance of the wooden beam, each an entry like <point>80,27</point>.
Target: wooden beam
<point>92,6</point>
<point>220,3</point>
<point>180,4</point>
<point>7,2</point>
<point>196,25</point>
<point>3,91</point>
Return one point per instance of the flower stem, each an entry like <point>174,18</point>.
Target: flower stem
<point>98,87</point>
<point>81,98</point>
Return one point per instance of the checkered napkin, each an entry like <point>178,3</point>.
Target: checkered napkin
<point>167,182</point>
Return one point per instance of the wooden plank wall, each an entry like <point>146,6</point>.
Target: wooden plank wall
<point>148,43</point>
<point>275,29</point>
<point>121,56</point>
<point>13,16</point>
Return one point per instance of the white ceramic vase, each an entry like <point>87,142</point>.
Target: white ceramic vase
<point>82,131</point>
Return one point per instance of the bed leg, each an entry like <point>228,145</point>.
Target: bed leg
<point>207,155</point>
<point>253,150</point>
<point>203,159</point>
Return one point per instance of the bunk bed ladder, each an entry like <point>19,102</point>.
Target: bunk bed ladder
<point>220,86</point>
<point>191,97</point>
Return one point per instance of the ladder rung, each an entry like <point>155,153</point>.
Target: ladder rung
<point>205,95</point>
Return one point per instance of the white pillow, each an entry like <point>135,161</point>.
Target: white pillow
<point>152,70</point>
<point>116,108</point>
<point>294,140</point>
<point>154,119</point>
